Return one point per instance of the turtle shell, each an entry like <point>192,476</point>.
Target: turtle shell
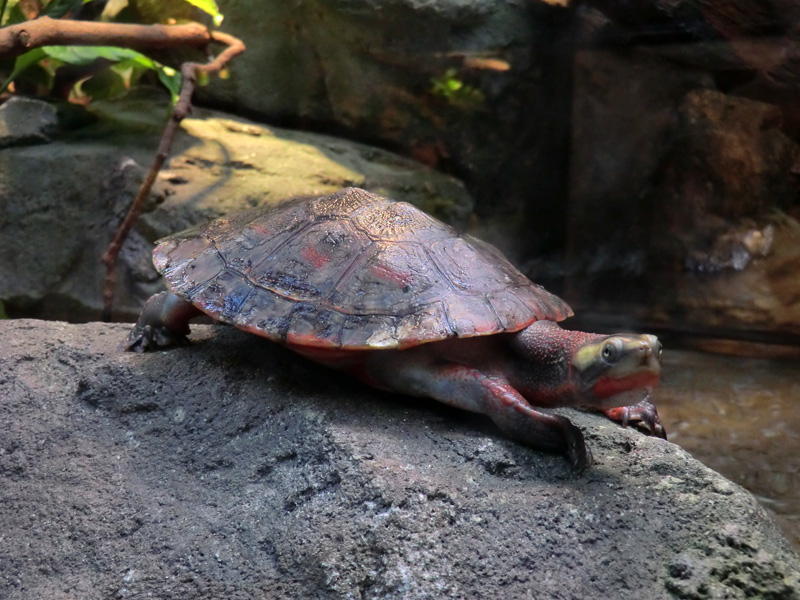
<point>352,270</point>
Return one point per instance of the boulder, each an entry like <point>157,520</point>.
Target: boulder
<point>26,121</point>
<point>61,202</point>
<point>231,468</point>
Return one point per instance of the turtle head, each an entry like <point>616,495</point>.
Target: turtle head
<point>616,370</point>
<point>558,367</point>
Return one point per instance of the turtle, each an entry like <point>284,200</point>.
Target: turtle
<point>381,290</point>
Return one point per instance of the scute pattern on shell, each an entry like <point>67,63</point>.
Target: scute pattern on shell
<point>351,270</point>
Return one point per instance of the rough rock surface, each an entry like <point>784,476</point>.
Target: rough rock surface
<point>233,469</point>
<point>76,190</point>
<point>26,121</point>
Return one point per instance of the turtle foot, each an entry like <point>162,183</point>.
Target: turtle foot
<point>164,323</point>
<point>643,416</point>
<point>146,338</point>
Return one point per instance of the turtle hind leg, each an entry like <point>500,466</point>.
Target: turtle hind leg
<point>164,323</point>
<point>470,389</point>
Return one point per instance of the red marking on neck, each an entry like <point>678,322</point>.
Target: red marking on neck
<point>605,387</point>
<point>552,397</point>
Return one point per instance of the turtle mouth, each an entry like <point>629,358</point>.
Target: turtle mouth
<point>626,398</point>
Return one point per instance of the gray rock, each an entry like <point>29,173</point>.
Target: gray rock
<point>26,121</point>
<point>61,203</point>
<point>233,469</point>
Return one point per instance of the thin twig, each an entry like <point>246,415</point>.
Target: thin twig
<point>183,106</point>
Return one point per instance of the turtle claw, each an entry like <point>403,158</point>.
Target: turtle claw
<point>579,456</point>
<point>643,416</point>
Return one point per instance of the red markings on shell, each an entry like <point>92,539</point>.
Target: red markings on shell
<point>315,257</point>
<point>351,270</point>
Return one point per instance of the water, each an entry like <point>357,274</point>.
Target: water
<point>741,417</point>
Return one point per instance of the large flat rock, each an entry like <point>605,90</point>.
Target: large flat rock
<point>233,469</point>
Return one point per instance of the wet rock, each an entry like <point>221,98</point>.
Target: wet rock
<point>26,121</point>
<point>76,191</point>
<point>232,468</point>
<point>734,249</point>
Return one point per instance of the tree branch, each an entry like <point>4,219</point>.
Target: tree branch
<point>44,31</point>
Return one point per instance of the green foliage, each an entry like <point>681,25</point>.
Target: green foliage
<point>117,68</point>
<point>455,91</point>
<point>23,63</point>
<point>57,9</point>
<point>165,11</point>
<point>210,7</point>
<point>10,12</point>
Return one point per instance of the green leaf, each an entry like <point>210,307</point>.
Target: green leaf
<point>13,14</point>
<point>140,61</point>
<point>82,55</point>
<point>210,7</point>
<point>170,79</point>
<point>22,63</point>
<point>105,85</point>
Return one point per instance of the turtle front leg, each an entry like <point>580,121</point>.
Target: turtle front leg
<point>470,389</point>
<point>164,322</point>
<point>643,416</point>
<point>515,417</point>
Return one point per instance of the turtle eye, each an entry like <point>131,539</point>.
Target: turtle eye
<point>610,353</point>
